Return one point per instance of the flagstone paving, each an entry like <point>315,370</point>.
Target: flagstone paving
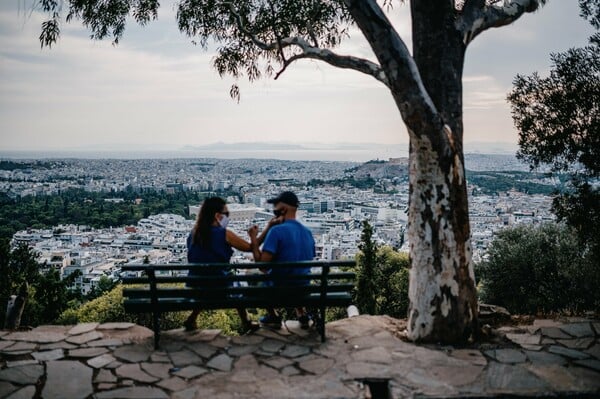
<point>117,360</point>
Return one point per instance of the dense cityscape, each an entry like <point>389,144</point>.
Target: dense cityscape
<point>336,197</point>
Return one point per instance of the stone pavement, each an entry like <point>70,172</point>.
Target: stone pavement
<point>362,355</point>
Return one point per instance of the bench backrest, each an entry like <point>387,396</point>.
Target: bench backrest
<point>171,287</point>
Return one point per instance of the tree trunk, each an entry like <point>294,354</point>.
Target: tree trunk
<point>443,297</point>
<point>427,89</point>
<point>14,308</point>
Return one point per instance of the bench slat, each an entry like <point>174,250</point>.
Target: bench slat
<point>232,278</point>
<point>249,291</point>
<point>175,304</point>
<point>255,265</point>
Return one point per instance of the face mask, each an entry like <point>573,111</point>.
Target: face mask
<point>224,221</point>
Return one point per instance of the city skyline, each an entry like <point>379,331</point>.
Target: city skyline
<point>156,91</point>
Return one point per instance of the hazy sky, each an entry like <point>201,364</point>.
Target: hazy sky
<point>156,90</point>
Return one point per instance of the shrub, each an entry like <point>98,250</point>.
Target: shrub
<point>539,269</point>
<point>109,308</point>
<point>389,290</point>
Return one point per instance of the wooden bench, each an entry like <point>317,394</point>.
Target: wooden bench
<point>166,288</point>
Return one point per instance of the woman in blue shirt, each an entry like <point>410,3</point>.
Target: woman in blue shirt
<point>211,242</point>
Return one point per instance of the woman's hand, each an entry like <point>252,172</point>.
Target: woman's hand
<point>253,232</point>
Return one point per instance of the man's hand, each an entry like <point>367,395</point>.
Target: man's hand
<point>275,220</point>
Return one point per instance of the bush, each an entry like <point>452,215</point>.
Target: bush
<point>390,283</point>
<point>109,308</point>
<point>539,270</point>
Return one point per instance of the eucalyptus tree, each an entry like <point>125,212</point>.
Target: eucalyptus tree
<point>262,38</point>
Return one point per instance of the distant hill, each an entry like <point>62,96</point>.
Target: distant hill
<point>378,169</point>
<point>395,167</point>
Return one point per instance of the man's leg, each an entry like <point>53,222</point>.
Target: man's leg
<point>303,318</point>
<point>271,319</point>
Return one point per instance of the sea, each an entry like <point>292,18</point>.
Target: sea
<point>345,154</point>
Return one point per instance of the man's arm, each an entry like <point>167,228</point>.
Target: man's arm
<point>256,240</point>
<point>259,256</point>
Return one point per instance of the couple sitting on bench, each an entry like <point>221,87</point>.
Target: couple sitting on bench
<point>284,239</point>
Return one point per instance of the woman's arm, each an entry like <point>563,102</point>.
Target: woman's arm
<point>252,232</point>
<point>237,242</point>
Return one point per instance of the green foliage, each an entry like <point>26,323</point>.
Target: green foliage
<point>580,209</point>
<point>226,320</point>
<point>224,23</point>
<point>590,10</point>
<point>491,182</point>
<point>85,208</point>
<point>48,295</point>
<point>539,269</point>
<point>16,267</point>
<point>362,184</point>
<point>392,283</point>
<point>109,308</point>
<point>332,314</point>
<point>105,284</point>
<point>558,118</point>
<point>366,265</point>
<point>106,308</point>
<point>382,278</point>
<point>19,165</point>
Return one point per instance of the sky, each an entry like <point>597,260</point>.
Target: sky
<point>155,90</point>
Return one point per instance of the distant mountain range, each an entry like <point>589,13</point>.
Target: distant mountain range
<point>470,147</point>
<point>347,152</point>
<point>284,146</point>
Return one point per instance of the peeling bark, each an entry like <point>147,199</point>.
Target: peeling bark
<point>443,302</point>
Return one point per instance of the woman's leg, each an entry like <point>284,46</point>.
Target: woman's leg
<point>190,323</point>
<point>247,324</point>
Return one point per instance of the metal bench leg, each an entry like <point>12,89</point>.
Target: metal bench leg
<point>322,324</point>
<point>156,325</point>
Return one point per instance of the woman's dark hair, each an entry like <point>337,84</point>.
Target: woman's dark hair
<point>210,207</point>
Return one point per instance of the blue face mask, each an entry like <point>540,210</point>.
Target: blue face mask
<point>224,221</point>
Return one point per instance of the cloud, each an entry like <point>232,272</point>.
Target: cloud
<point>156,88</point>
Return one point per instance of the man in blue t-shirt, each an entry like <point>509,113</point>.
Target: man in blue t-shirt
<point>287,241</point>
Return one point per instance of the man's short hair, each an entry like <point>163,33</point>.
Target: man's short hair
<point>287,197</point>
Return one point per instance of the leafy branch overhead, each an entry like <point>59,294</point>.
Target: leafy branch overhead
<point>257,38</point>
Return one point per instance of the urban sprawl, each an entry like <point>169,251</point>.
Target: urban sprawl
<point>331,207</point>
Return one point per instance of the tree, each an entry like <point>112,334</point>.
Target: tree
<point>366,286</point>
<point>105,284</point>
<point>558,118</point>
<point>51,296</point>
<point>382,283</point>
<point>257,36</point>
<point>16,267</point>
<point>539,269</point>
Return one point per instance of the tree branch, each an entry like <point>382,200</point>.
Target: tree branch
<point>414,103</point>
<point>477,17</point>
<point>340,61</point>
<point>309,51</point>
